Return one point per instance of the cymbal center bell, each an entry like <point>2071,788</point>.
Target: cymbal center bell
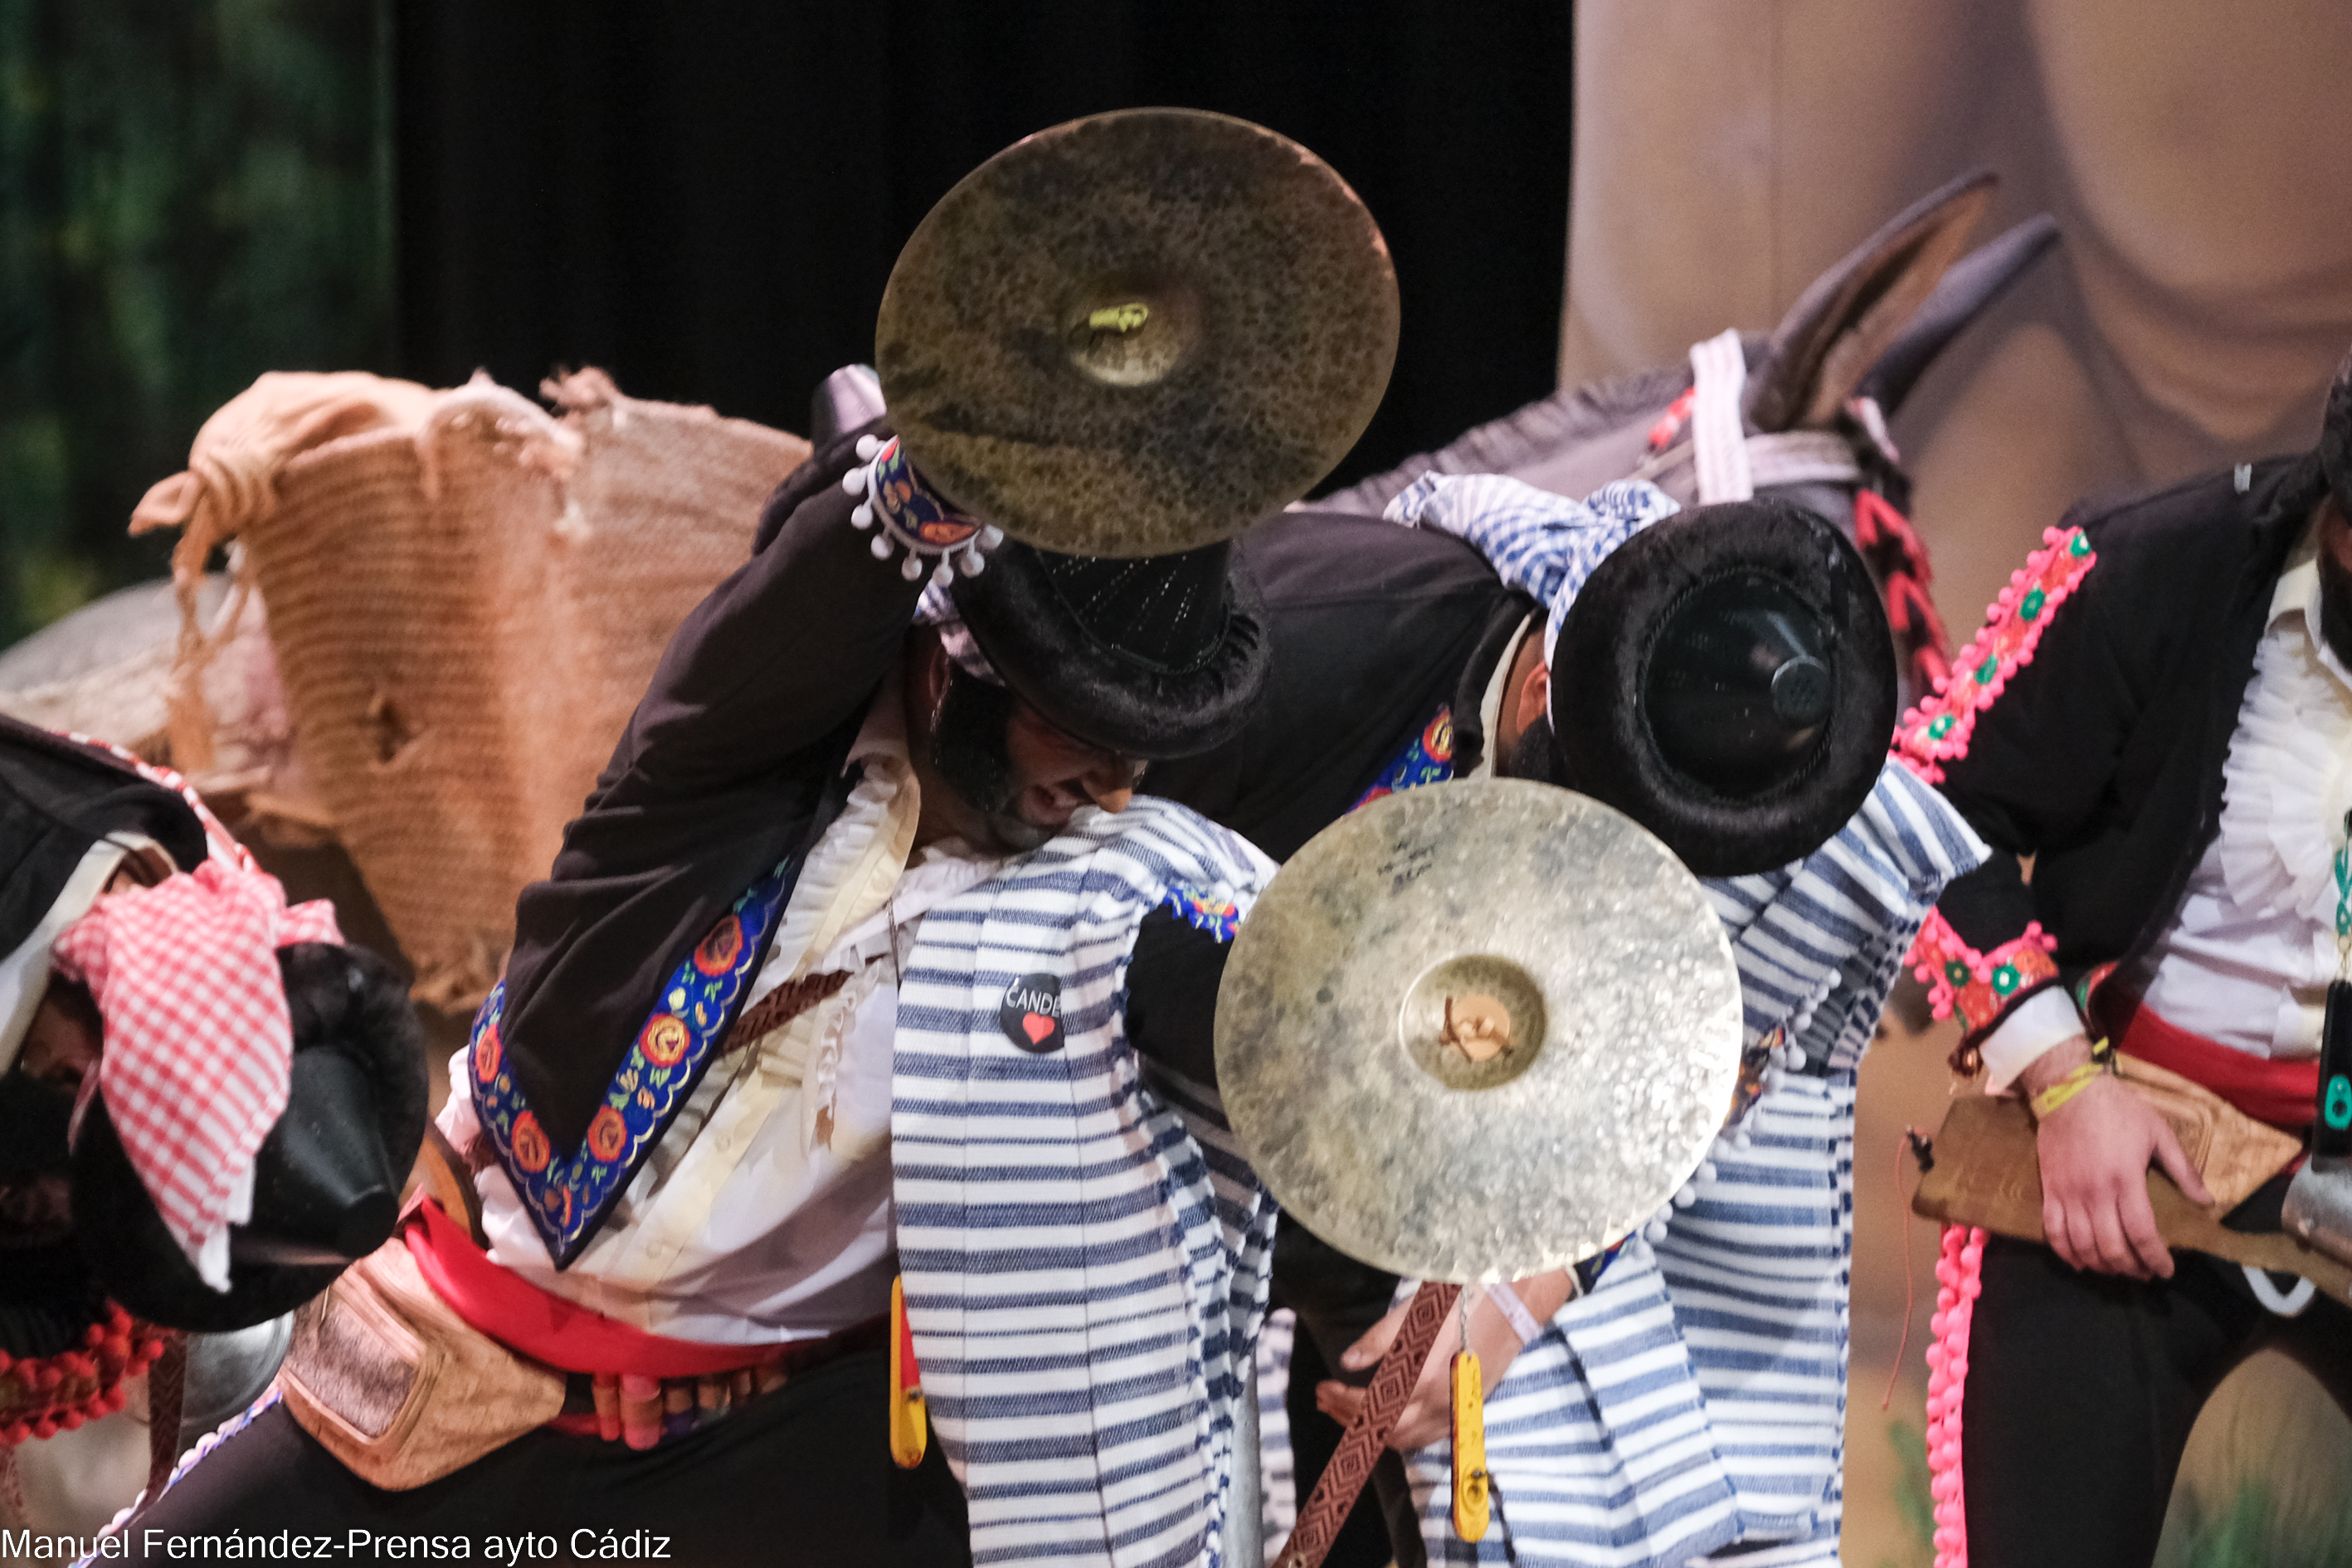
<point>1131,329</point>
<point>1472,1022</point>
<point>1476,1025</point>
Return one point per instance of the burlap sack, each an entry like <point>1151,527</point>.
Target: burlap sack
<point>466,597</point>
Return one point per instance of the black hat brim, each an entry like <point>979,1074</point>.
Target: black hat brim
<point>1096,692</point>
<point>341,999</point>
<point>1600,674</point>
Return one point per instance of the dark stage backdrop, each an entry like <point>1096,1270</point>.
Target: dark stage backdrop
<point>706,197</point>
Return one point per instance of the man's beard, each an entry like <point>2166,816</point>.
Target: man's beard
<point>1533,756</point>
<point>968,748</point>
<point>2336,606</point>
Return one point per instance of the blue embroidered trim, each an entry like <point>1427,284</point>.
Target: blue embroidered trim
<point>681,1038</point>
<point>1221,918</point>
<point>917,516</point>
<point>1427,759</point>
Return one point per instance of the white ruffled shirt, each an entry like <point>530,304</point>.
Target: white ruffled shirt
<point>764,1213</point>
<point>2247,961</point>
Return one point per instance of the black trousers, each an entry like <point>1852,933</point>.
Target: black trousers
<point>1336,1300</point>
<point>801,1477</point>
<point>2081,1389</point>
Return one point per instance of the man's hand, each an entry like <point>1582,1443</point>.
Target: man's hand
<point>1428,1411</point>
<point>2094,1151</point>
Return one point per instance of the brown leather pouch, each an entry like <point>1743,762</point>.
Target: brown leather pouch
<point>400,1388</point>
<point>1987,1173</point>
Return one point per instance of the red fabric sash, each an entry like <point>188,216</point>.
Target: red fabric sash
<point>2284,1093</point>
<point>547,1327</point>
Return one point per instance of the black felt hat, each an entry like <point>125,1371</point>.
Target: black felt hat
<point>1159,655</point>
<point>327,1180</point>
<point>1727,679</point>
<point>2335,437</point>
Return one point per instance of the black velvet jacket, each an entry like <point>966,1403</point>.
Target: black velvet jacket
<point>2101,759</point>
<point>732,760</point>
<point>1374,628</point>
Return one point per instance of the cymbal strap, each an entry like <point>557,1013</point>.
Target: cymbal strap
<point>1392,1384</point>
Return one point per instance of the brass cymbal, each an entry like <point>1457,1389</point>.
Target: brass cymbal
<point>1476,1031</point>
<point>1138,333</point>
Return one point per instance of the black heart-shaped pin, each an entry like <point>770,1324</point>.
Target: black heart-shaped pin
<point>1031,1013</point>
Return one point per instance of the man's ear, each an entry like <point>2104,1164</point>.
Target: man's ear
<point>1534,698</point>
<point>926,678</point>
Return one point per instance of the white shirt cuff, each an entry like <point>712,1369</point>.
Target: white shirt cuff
<point>2043,1020</point>
<point>456,1118</point>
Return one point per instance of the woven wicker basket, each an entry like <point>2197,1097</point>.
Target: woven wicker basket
<point>465,608</point>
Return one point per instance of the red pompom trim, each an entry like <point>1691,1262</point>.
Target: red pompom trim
<point>42,1395</point>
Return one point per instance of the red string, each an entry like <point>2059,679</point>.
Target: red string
<point>1903,1344</point>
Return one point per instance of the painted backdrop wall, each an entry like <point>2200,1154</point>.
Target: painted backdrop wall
<point>2195,157</point>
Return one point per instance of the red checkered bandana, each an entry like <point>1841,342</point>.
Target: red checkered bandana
<point>199,1046</point>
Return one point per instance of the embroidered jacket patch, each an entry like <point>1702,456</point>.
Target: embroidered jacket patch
<point>1980,986</point>
<point>678,1041</point>
<point>1427,758</point>
<point>1211,913</point>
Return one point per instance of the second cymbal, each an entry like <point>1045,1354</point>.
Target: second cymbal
<point>1476,1031</point>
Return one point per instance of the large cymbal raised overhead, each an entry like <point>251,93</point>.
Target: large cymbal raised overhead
<point>1138,333</point>
<point>1476,1031</point>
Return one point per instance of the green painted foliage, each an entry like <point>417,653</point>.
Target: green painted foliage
<point>2254,1526</point>
<point>192,192</point>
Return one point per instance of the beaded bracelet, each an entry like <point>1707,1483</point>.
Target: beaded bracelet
<point>2065,1089</point>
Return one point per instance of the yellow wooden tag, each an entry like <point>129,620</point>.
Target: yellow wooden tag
<point>909,1422</point>
<point>1469,1449</point>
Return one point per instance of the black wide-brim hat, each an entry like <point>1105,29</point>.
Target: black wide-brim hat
<point>327,1180</point>
<point>1727,679</point>
<point>1152,656</point>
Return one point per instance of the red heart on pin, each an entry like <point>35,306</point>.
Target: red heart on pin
<point>1036,1025</point>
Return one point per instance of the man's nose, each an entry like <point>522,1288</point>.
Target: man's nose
<point>1111,786</point>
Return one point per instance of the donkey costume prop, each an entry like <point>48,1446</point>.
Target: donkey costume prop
<point>1802,415</point>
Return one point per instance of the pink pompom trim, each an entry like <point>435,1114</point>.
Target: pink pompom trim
<point>1957,1284</point>
<point>1978,986</point>
<point>1938,729</point>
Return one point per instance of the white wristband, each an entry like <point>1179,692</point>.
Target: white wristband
<point>2045,1019</point>
<point>1515,1313</point>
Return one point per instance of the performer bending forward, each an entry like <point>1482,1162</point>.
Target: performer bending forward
<point>849,896</point>
<point>1686,1395</point>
